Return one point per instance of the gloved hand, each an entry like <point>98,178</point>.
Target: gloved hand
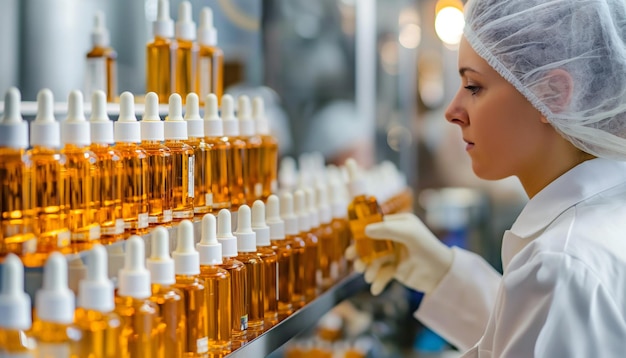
<point>420,260</point>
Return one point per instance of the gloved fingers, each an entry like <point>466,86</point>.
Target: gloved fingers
<point>399,216</point>
<point>351,253</point>
<point>359,266</point>
<point>384,276</point>
<point>374,266</point>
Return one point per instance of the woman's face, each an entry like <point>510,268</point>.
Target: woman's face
<point>504,133</point>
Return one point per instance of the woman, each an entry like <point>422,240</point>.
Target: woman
<point>543,98</point>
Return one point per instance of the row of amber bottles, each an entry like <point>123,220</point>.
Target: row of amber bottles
<point>180,59</point>
<point>110,180</point>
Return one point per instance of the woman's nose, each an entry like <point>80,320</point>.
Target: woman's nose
<point>455,113</point>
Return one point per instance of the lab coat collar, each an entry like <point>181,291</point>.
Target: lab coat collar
<point>581,182</point>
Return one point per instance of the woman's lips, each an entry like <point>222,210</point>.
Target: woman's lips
<point>468,145</point>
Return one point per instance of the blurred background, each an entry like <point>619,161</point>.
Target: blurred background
<point>368,79</point>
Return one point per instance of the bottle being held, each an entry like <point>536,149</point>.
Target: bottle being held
<point>364,210</point>
<point>101,61</point>
<point>127,134</point>
<point>217,162</point>
<point>201,170</point>
<point>169,299</point>
<point>269,149</point>
<point>218,283</point>
<point>185,51</point>
<point>16,215</point>
<point>183,161</point>
<point>159,66</point>
<point>210,64</point>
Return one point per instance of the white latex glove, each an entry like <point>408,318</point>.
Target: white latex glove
<point>420,260</point>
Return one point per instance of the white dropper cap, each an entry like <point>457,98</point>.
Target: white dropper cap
<point>287,173</point>
<point>185,27</point>
<point>45,130</point>
<point>209,249</point>
<point>195,125</point>
<point>246,124</point>
<point>258,224</point>
<point>75,128</point>
<point>151,125</point>
<point>258,113</point>
<point>230,122</point>
<point>99,33</point>
<point>207,34</point>
<point>246,237</point>
<point>287,214</point>
<point>134,278</point>
<point>54,302</point>
<point>95,292</point>
<point>127,129</point>
<point>160,264</point>
<point>15,310</point>
<point>311,200</point>
<point>225,235</point>
<point>175,126</point>
<point>101,125</point>
<point>164,25</point>
<point>213,125</point>
<point>273,220</point>
<point>302,211</point>
<point>338,206</point>
<point>356,184</point>
<point>13,128</point>
<point>186,258</point>
<point>325,213</point>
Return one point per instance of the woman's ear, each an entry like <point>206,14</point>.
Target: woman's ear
<point>557,89</point>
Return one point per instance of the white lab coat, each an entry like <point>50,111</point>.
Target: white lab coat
<point>563,291</point>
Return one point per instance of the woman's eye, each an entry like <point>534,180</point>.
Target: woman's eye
<point>472,89</point>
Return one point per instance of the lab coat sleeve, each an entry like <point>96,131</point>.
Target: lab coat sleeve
<point>459,307</point>
<point>554,306</point>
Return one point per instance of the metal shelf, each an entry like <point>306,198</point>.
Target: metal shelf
<point>302,319</point>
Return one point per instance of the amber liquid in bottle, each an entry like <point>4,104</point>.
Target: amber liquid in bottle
<point>194,293</point>
<point>270,285</point>
<point>219,303</point>
<point>269,165</point>
<point>184,67</point>
<point>158,182</point>
<point>104,57</point>
<point>218,190</point>
<point>311,265</point>
<point>236,172</point>
<point>47,202</point>
<point>252,170</point>
<point>362,211</point>
<point>78,179</point>
<point>210,72</point>
<point>182,156</point>
<point>286,277</point>
<point>16,343</point>
<point>342,239</point>
<point>328,256</point>
<point>201,177</point>
<point>298,299</point>
<point>99,334</point>
<point>254,292</point>
<point>172,314</point>
<point>142,331</point>
<point>134,187</point>
<point>159,68</point>
<point>108,192</point>
<point>16,226</point>
<point>239,317</point>
<point>53,339</point>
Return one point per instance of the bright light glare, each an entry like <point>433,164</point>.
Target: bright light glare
<point>410,36</point>
<point>449,25</point>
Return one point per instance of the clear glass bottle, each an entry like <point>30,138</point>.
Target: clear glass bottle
<point>210,64</point>
<point>186,51</point>
<point>101,61</point>
<point>127,133</point>
<point>218,284</point>
<point>170,300</point>
<point>252,170</point>
<point>329,265</point>
<point>201,170</point>
<point>183,161</point>
<point>16,221</point>
<point>159,173</point>
<point>310,245</point>
<point>284,252</point>
<point>269,150</point>
<point>236,155</point>
<point>159,70</point>
<point>187,269</point>
<point>47,197</point>
<point>340,226</point>
<point>217,164</point>
<point>79,175</point>
<point>107,189</point>
<point>295,240</point>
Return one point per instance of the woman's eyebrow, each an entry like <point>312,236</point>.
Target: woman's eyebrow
<point>462,70</point>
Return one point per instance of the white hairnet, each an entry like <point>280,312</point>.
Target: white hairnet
<point>526,40</point>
